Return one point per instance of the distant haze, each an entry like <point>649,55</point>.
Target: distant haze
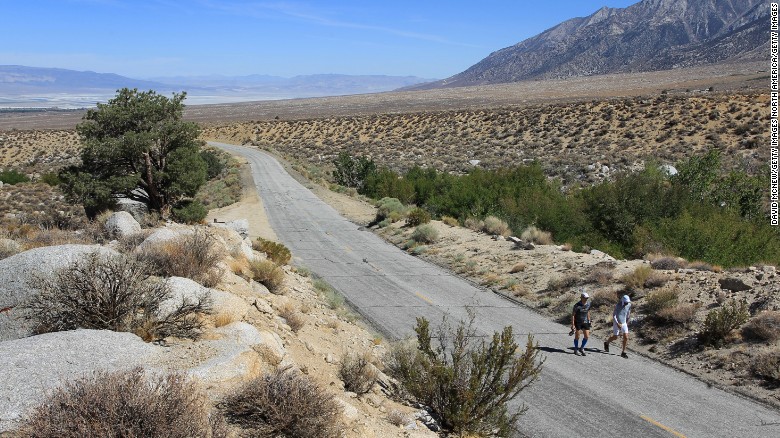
<point>31,87</point>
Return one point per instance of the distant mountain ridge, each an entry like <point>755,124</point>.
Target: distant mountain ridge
<point>647,36</point>
<point>22,86</point>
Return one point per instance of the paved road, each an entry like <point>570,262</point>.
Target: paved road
<point>598,395</point>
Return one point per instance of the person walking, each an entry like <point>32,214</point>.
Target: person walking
<point>620,317</point>
<point>580,322</point>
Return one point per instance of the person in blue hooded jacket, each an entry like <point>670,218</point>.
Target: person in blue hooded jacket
<point>620,317</point>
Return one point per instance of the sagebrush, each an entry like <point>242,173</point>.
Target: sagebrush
<point>196,256</point>
<point>124,404</point>
<point>284,404</point>
<point>112,292</point>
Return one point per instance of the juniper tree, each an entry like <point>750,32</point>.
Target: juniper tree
<point>136,146</point>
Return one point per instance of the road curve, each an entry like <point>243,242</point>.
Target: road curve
<point>598,395</point>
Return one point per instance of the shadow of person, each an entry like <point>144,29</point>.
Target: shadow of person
<point>554,350</point>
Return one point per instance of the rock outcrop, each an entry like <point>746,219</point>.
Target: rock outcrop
<point>16,273</point>
<point>33,367</point>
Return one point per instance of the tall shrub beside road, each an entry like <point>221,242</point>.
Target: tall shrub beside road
<point>468,383</point>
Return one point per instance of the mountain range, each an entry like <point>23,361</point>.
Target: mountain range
<point>22,86</point>
<point>647,36</point>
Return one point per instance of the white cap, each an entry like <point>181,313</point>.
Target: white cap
<point>584,294</point>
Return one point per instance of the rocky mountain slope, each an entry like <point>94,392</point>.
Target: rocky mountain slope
<point>648,36</point>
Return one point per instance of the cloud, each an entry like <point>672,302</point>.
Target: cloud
<point>303,13</point>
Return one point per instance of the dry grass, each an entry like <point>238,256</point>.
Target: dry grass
<point>495,226</point>
<point>451,221</point>
<point>276,252</point>
<point>537,236</point>
<point>518,267</point>
<point>767,366</point>
<point>195,256</point>
<point>292,316</point>
<point>224,318</point>
<point>600,275</point>
<point>357,372</point>
<point>765,327</point>
<point>269,274</point>
<point>643,277</point>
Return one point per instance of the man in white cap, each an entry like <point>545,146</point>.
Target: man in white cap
<point>580,322</point>
<point>620,318</point>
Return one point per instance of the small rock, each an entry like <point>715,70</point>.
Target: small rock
<point>733,284</point>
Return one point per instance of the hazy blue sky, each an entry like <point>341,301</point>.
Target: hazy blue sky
<point>144,38</point>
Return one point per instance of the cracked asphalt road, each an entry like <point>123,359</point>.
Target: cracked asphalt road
<point>598,395</point>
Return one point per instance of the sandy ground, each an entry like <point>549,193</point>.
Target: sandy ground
<point>250,208</point>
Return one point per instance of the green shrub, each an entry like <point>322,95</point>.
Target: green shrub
<point>124,404</point>
<point>51,178</point>
<point>425,234</point>
<point>467,382</point>
<point>765,327</point>
<point>389,206</point>
<point>112,293</point>
<point>719,237</point>
<point>269,274</point>
<point>275,251</point>
<point>357,372</point>
<point>216,162</point>
<point>13,176</point>
<point>352,172</point>
<point>189,212</point>
<point>720,322</point>
<point>284,404</point>
<point>417,216</point>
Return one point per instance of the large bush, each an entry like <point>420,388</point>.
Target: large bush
<point>390,208</point>
<point>468,383</point>
<point>704,212</point>
<point>124,404</point>
<point>190,211</point>
<point>284,404</point>
<point>352,172</point>
<point>425,233</point>
<point>111,293</point>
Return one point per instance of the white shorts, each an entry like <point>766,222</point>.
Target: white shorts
<point>618,329</point>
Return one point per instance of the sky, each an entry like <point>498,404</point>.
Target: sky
<point>151,38</point>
